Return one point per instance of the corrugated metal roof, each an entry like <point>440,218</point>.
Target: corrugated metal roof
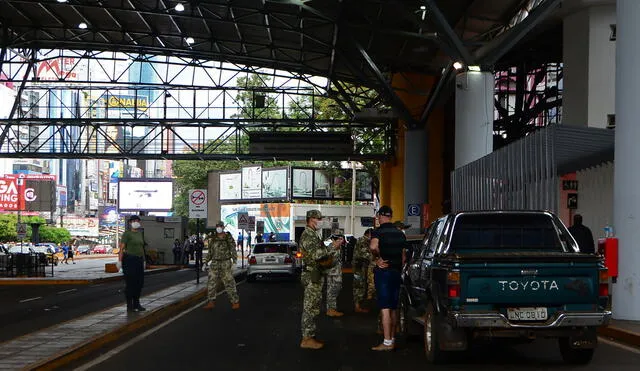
<point>577,148</point>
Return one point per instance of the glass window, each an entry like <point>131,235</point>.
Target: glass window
<point>271,249</point>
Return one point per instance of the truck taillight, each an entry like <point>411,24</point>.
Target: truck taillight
<point>603,289</point>
<point>298,255</point>
<point>454,291</point>
<point>253,260</point>
<point>604,275</point>
<point>603,284</point>
<point>288,260</point>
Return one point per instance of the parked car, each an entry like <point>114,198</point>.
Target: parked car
<point>21,249</point>
<point>102,249</point>
<point>503,274</point>
<point>49,252</point>
<point>84,249</point>
<point>272,259</point>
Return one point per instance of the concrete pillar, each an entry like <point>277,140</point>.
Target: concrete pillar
<point>474,116</point>
<point>626,198</point>
<point>588,62</point>
<point>416,186</point>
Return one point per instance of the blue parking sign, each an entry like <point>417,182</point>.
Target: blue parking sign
<point>414,210</point>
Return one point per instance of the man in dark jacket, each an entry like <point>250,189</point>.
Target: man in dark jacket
<point>582,235</point>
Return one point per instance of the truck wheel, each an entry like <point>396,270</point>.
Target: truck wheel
<point>574,356</point>
<point>431,341</point>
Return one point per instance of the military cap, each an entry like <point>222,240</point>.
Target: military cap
<point>385,211</point>
<point>338,233</point>
<point>220,224</point>
<point>316,214</point>
<point>400,224</point>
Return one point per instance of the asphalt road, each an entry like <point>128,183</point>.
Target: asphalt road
<point>25,309</point>
<point>265,335</point>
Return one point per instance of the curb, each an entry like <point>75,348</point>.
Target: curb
<point>618,334</point>
<point>83,349</point>
<point>45,282</point>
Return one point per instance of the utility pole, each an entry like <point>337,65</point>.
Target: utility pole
<point>353,196</point>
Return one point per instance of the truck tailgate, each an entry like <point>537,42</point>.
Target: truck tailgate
<point>517,284</point>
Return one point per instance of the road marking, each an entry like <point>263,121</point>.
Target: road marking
<point>30,299</point>
<point>618,345</point>
<point>142,336</point>
<point>66,291</point>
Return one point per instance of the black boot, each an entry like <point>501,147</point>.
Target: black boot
<point>137,307</point>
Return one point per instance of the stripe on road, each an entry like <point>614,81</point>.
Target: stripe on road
<point>619,345</point>
<point>30,299</point>
<point>66,291</point>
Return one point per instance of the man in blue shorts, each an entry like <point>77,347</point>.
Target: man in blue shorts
<point>388,248</point>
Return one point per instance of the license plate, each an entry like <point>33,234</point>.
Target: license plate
<point>527,314</point>
<point>270,259</point>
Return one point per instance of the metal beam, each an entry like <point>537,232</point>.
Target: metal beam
<point>498,47</point>
<point>16,102</point>
<point>434,95</point>
<point>448,33</point>
<point>396,102</point>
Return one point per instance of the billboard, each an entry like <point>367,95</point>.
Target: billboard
<point>302,183</point>
<point>40,195</point>
<point>59,68</point>
<point>274,183</point>
<point>230,186</point>
<point>78,226</point>
<point>251,182</point>
<point>145,194</point>
<point>275,216</point>
<point>28,192</point>
<point>122,101</point>
<point>322,184</point>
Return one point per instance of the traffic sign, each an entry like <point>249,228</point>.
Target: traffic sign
<point>414,210</point>
<point>243,220</point>
<point>198,203</point>
<point>252,224</point>
<point>21,229</point>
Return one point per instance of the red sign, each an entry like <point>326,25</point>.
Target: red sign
<point>11,194</point>
<point>56,69</point>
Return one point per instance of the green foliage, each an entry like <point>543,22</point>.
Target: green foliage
<point>47,233</point>
<point>54,234</point>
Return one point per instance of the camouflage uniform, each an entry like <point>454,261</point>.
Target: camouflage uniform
<point>312,250</point>
<point>334,279</point>
<point>222,251</point>
<point>362,259</point>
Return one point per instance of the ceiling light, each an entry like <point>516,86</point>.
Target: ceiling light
<point>457,65</point>
<point>82,26</point>
<point>422,7</point>
<point>474,68</point>
<point>179,7</point>
<point>189,40</point>
<point>62,1</point>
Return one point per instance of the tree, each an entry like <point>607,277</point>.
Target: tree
<point>8,232</point>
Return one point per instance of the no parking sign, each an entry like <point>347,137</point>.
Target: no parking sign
<point>198,203</point>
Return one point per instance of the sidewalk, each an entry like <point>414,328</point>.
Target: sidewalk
<point>84,272</point>
<point>623,331</point>
<point>58,345</point>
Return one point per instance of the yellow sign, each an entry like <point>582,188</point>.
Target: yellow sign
<point>127,101</point>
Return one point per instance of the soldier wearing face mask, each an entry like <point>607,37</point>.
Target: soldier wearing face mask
<point>221,258</point>
<point>132,257</point>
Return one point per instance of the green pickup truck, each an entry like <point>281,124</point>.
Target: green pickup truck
<point>503,274</point>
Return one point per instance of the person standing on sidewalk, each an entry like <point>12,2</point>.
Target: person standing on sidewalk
<point>388,248</point>
<point>334,275</point>
<point>583,236</point>
<point>221,258</point>
<point>361,261</point>
<point>132,257</point>
<point>316,259</point>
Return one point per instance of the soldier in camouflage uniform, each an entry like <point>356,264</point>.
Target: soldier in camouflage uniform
<point>221,258</point>
<point>362,260</point>
<point>316,259</point>
<point>334,275</point>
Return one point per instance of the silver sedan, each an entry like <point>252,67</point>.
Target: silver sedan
<point>273,259</point>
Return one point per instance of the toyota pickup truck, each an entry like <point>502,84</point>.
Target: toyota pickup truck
<point>503,274</point>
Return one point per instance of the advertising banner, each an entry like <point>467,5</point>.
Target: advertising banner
<point>251,182</point>
<point>274,183</point>
<point>302,183</point>
<point>78,226</point>
<point>31,192</point>
<point>321,184</point>
<point>230,186</point>
<point>275,217</point>
<point>145,195</point>
<point>364,186</point>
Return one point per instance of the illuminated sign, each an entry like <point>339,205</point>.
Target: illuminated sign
<point>126,102</point>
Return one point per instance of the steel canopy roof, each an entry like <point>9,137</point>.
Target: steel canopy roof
<point>327,38</point>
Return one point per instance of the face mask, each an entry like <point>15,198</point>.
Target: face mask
<point>135,225</point>
<point>219,229</point>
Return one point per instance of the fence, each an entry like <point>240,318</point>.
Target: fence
<point>23,265</point>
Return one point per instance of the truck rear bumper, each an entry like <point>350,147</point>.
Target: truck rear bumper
<point>498,320</point>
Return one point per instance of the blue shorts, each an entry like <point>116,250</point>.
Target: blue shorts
<point>387,283</point>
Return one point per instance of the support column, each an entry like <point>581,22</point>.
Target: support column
<point>626,198</point>
<point>416,186</point>
<point>588,62</point>
<point>474,116</point>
